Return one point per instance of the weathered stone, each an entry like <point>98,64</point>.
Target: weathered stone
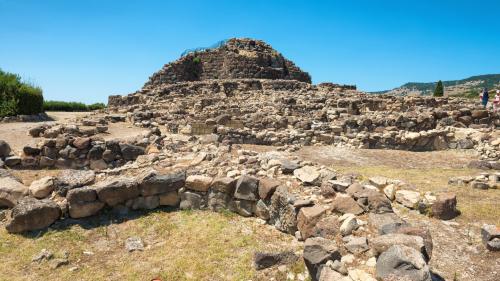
<point>445,207</point>
<point>225,185</point>
<point>317,251</point>
<point>373,201</point>
<point>169,199</point>
<point>345,204</point>
<point>379,182</point>
<point>114,191</point>
<point>11,191</point>
<point>261,210</point>
<point>415,268</point>
<point>288,167</point>
<point>70,179</point>
<point>245,208</point>
<point>267,187</point>
<point>198,183</point>
<point>153,183</point>
<point>408,198</point>
<point>307,219</point>
<point>381,243</point>
<point>4,149</point>
<point>84,209</point>
<point>42,188</point>
<point>247,188</point>
<point>327,227</point>
<point>134,244</point>
<point>131,152</point>
<point>307,174</point>
<point>282,212</point>
<point>491,237</point>
<point>144,203</point>
<point>190,200</point>
<point>264,260</point>
<point>32,214</point>
<point>348,225</point>
<point>218,201</point>
<point>328,274</point>
<point>13,161</point>
<point>357,245</point>
<point>81,143</point>
<point>31,151</point>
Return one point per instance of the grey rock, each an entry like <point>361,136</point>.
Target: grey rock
<point>190,200</point>
<point>154,183</point>
<point>402,261</point>
<point>11,191</point>
<point>134,244</point>
<point>491,237</point>
<point>317,251</point>
<point>32,214</point>
<point>247,188</point>
<point>4,149</point>
<point>114,191</point>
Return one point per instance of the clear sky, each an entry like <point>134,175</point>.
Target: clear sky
<point>87,50</point>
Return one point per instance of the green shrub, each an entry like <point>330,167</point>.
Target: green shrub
<point>96,106</point>
<point>71,106</point>
<point>196,60</point>
<point>29,100</point>
<point>17,97</point>
<point>439,90</point>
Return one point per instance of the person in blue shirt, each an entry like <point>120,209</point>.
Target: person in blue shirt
<point>484,97</point>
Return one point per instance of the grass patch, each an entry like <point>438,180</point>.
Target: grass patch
<point>182,245</point>
<point>475,205</point>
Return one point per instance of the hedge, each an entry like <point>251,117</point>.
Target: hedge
<point>71,106</point>
<point>17,97</point>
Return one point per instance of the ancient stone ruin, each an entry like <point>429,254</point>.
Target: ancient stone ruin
<point>197,112</point>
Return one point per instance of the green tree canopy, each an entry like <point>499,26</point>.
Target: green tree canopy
<point>439,90</point>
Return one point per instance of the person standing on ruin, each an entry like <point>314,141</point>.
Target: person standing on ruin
<point>484,97</point>
<point>496,101</point>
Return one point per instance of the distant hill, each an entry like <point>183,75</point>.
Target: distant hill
<point>468,87</point>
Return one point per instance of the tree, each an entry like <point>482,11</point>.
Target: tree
<point>439,91</point>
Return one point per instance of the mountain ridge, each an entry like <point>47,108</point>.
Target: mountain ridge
<point>470,86</point>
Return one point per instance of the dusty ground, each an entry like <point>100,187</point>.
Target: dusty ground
<point>16,133</point>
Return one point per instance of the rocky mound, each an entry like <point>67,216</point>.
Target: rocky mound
<point>235,59</point>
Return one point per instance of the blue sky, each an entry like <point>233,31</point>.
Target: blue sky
<point>87,50</point>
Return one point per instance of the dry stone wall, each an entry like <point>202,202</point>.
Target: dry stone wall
<point>236,59</point>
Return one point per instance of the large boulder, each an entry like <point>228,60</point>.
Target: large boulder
<point>83,202</point>
<point>317,251</point>
<point>247,188</point>
<point>402,261</point>
<point>4,149</point>
<point>32,214</point>
<point>153,183</point>
<point>114,191</point>
<point>11,191</point>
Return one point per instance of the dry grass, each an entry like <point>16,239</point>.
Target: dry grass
<point>476,205</point>
<point>179,246</point>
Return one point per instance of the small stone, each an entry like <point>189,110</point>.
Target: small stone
<point>134,244</point>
